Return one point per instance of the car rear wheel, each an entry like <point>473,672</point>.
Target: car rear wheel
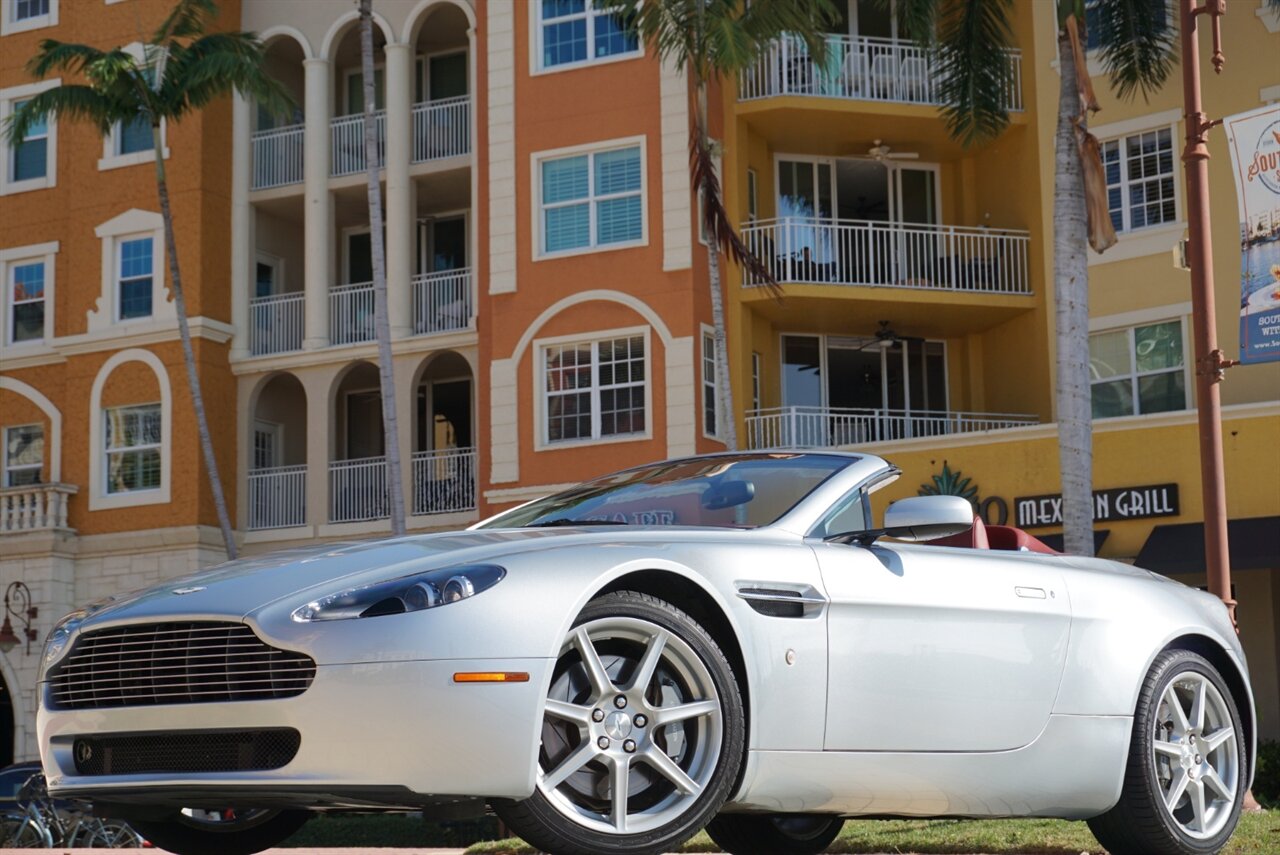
<point>642,734</point>
<point>1185,781</point>
<point>221,832</point>
<point>774,834</point>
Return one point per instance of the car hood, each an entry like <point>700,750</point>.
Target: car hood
<point>240,587</point>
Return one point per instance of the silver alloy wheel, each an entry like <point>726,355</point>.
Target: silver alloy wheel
<point>1197,760</point>
<point>633,727</point>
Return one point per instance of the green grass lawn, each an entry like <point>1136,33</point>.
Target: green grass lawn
<point>1258,834</point>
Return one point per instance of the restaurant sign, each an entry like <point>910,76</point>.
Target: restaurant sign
<point>1119,503</point>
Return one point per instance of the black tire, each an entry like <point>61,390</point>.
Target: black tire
<point>183,835</point>
<point>1140,824</point>
<point>547,825</point>
<point>774,834</point>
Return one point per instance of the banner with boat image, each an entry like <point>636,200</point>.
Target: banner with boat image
<point>1254,139</point>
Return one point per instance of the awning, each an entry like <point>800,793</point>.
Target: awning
<point>1179,548</point>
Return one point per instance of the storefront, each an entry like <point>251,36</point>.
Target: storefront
<point>1147,505</point>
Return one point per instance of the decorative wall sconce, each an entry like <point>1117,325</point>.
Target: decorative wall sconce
<point>17,604</point>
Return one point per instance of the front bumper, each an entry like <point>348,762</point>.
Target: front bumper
<point>376,733</point>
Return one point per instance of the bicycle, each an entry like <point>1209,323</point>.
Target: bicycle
<point>45,824</point>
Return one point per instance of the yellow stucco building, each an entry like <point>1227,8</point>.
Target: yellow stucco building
<point>917,317</point>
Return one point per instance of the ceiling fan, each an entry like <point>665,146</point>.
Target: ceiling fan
<point>882,152</point>
<point>886,338</point>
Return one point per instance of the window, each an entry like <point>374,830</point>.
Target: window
<point>575,32</point>
<point>17,16</point>
<point>1093,21</point>
<point>23,455</point>
<point>595,389</point>
<point>592,200</point>
<point>755,381</point>
<point>134,282</point>
<point>355,92</point>
<point>1140,180</point>
<point>26,307</point>
<point>1138,370</point>
<point>29,159</point>
<point>753,196</point>
<point>132,445</point>
<point>133,137</point>
<point>710,405</point>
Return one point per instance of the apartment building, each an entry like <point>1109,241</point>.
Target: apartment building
<point>918,317</point>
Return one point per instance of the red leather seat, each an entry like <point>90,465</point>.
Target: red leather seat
<point>1017,540</point>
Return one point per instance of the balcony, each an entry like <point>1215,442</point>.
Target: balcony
<point>34,507</point>
<point>276,323</point>
<point>277,157</point>
<point>891,255</point>
<point>278,497</point>
<point>351,310</point>
<point>346,143</point>
<point>443,482</point>
<point>858,68</point>
<point>442,129</point>
<point>830,427</point>
<point>441,301</point>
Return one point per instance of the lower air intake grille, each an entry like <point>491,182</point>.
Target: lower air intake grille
<point>190,751</point>
<point>175,663</point>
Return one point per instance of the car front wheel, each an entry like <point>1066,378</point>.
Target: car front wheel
<point>774,834</point>
<point>221,832</point>
<point>1185,781</point>
<point>642,733</point>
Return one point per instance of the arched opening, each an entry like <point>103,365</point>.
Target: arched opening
<point>347,136</point>
<point>358,468</point>
<point>441,84</point>
<point>277,137</point>
<point>277,490</point>
<point>7,724</point>
<point>444,437</point>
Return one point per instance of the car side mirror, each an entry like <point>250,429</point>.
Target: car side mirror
<point>928,517</point>
<point>727,494</point>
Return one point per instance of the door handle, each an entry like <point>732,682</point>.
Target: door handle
<point>1030,593</point>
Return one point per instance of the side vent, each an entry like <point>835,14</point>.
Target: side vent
<point>775,600</point>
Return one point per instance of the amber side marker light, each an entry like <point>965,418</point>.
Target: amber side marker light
<point>491,677</point>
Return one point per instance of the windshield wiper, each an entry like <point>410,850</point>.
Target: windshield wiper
<point>565,521</point>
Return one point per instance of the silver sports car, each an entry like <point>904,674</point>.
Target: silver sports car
<point>721,641</point>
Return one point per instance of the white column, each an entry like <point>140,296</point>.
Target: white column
<point>318,211</point>
<point>242,238</point>
<point>406,407</point>
<point>318,382</point>
<point>400,214</point>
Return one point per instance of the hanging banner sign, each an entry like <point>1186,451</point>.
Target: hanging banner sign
<point>1254,139</point>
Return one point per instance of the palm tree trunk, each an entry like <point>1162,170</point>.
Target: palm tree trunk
<point>1071,301</point>
<point>726,420</point>
<point>188,354</point>
<point>381,321</point>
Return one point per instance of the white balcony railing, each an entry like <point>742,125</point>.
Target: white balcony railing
<point>899,255</point>
<point>34,507</point>
<point>351,313</point>
<point>277,157</point>
<point>346,143</point>
<point>858,68</point>
<point>278,497</point>
<point>441,301</point>
<point>442,128</point>
<point>276,323</point>
<point>358,490</point>
<point>444,481</point>
<point>826,427</point>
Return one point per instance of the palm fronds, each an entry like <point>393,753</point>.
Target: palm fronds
<point>212,66</point>
<point>1138,45</point>
<point>72,101</point>
<point>975,70</point>
<point>189,19</point>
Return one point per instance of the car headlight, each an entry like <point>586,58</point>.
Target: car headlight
<point>56,644</point>
<point>405,594</point>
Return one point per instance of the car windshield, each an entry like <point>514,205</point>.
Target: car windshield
<point>731,491</point>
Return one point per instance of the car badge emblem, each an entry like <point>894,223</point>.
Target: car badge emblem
<point>181,591</point>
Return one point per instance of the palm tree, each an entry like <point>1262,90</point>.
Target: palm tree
<point>381,320</point>
<point>709,40</point>
<point>1137,46</point>
<point>183,69</point>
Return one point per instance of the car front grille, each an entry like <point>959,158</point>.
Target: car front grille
<point>189,751</point>
<point>176,663</point>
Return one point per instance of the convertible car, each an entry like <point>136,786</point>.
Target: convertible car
<point>728,641</point>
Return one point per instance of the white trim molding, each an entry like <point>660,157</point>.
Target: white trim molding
<point>10,257</point>
<point>1139,317</point>
<point>8,97</point>
<point>1156,240</point>
<point>1269,94</point>
<point>9,27</point>
<point>502,148</point>
<point>99,499</point>
<point>133,223</point>
<point>53,448</point>
<point>536,67</point>
<point>677,230</point>
<point>111,160</point>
